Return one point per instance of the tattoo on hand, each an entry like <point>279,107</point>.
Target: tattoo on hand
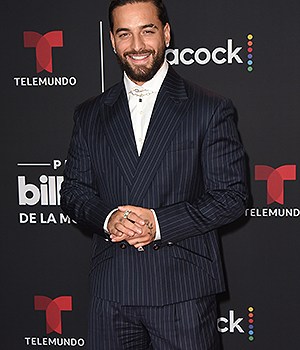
<point>150,227</point>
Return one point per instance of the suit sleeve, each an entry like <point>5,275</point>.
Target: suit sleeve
<point>224,175</point>
<point>79,198</point>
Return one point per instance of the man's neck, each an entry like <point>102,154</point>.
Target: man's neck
<point>152,84</point>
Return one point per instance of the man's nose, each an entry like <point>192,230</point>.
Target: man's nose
<point>138,42</point>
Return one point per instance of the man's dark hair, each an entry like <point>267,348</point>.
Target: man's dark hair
<point>161,9</point>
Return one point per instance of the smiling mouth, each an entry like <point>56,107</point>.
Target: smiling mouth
<point>138,56</point>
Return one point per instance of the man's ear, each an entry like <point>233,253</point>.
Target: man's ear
<point>167,34</point>
<point>112,40</point>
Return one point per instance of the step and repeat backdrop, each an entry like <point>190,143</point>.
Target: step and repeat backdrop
<point>56,54</point>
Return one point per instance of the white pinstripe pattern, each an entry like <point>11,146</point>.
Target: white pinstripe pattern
<point>181,326</point>
<point>191,171</point>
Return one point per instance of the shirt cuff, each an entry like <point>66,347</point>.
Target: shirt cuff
<point>157,233</point>
<point>106,221</point>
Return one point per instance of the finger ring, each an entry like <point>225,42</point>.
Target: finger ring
<point>126,214</point>
<point>141,249</point>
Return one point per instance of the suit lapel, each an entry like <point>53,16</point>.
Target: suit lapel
<point>170,107</point>
<point>119,132</point>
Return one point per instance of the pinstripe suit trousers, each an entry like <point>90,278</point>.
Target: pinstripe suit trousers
<point>188,325</point>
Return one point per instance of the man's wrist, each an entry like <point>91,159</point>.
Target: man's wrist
<point>157,229</point>
<point>107,220</point>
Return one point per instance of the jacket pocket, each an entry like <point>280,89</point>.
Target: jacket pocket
<point>196,259</point>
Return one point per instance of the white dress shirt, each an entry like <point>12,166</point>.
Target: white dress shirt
<point>141,107</point>
<point>141,100</point>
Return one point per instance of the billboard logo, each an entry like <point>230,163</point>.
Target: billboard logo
<point>40,198</point>
<point>46,194</point>
<point>53,310</point>
<point>43,45</point>
<point>275,180</point>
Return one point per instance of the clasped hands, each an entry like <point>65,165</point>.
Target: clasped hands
<point>137,226</point>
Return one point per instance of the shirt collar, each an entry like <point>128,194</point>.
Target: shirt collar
<point>153,84</point>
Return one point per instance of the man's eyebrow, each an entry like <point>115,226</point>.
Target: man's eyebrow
<point>122,30</point>
<point>150,25</point>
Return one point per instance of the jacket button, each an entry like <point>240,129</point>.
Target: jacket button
<point>123,246</point>
<point>170,244</point>
<point>155,246</point>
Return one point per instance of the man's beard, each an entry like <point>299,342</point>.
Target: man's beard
<point>141,73</point>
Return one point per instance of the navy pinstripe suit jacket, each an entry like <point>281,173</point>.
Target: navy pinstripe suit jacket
<point>191,171</point>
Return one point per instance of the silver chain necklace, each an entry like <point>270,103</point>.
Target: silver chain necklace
<point>141,93</point>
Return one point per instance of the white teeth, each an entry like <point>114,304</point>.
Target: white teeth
<point>139,57</point>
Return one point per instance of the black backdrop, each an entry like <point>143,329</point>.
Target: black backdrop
<point>42,254</point>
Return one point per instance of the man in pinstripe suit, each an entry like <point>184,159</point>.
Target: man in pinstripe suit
<point>155,166</point>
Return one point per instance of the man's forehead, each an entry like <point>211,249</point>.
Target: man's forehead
<point>142,11</point>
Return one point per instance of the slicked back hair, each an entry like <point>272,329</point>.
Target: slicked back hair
<point>161,9</point>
